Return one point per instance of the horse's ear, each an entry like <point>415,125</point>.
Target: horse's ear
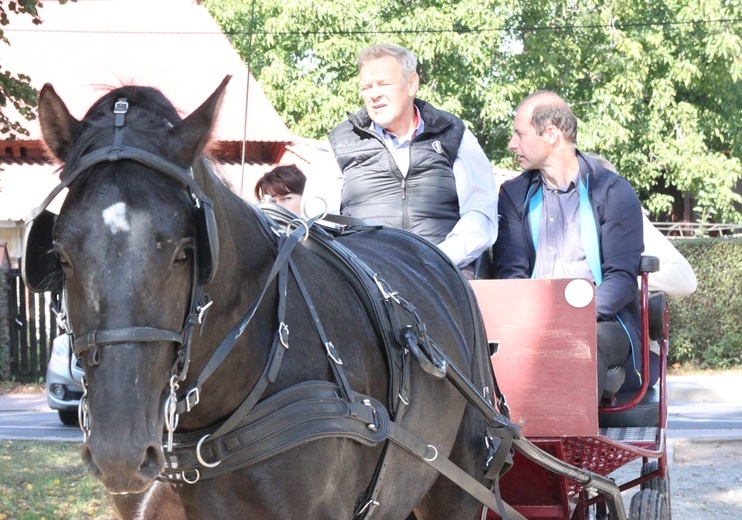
<point>189,137</point>
<point>59,128</point>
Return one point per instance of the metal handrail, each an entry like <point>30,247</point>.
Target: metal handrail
<point>698,229</point>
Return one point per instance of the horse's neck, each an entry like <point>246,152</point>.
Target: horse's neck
<point>244,242</point>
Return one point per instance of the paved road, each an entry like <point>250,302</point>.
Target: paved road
<point>36,425</point>
<point>27,416</point>
<point>700,407</point>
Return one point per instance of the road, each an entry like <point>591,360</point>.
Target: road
<point>26,416</point>
<point>36,425</point>
<point>704,447</point>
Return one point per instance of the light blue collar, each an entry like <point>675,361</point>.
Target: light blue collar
<point>588,226</point>
<point>386,135</point>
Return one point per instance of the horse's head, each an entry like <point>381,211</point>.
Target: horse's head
<point>129,242</point>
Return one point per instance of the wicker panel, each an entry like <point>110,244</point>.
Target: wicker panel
<point>594,454</point>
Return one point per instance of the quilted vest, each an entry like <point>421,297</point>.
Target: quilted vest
<point>425,201</point>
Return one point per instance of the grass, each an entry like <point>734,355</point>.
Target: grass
<point>45,481</point>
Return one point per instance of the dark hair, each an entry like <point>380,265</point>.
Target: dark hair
<point>552,110</point>
<point>281,181</point>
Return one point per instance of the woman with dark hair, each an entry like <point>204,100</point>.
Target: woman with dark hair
<point>283,185</point>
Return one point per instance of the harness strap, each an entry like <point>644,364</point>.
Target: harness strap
<point>115,153</point>
<point>270,371</point>
<point>333,357</point>
<point>238,442</point>
<point>129,334</point>
<point>430,454</point>
<point>189,398</point>
<point>97,338</point>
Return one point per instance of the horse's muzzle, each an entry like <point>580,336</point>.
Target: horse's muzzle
<point>123,467</point>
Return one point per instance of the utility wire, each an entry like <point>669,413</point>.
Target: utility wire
<point>522,28</point>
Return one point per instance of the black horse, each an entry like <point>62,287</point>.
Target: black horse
<point>146,231</point>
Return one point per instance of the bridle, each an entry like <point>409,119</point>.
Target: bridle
<point>205,260</point>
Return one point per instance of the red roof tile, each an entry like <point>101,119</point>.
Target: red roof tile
<point>85,48</point>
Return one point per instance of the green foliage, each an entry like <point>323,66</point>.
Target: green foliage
<point>16,88</point>
<point>656,86</point>
<point>705,327</point>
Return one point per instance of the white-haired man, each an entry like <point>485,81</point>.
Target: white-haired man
<point>409,165</point>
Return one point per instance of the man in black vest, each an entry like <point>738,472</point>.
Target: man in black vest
<point>409,165</point>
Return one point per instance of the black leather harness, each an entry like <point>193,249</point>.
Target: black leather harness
<point>258,430</point>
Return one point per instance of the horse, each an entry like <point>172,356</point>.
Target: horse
<point>193,309</point>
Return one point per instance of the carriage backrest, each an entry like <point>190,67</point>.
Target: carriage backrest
<point>546,361</point>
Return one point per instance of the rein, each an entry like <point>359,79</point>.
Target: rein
<point>307,411</point>
<point>188,399</point>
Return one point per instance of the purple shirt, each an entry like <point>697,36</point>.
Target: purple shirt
<point>560,253</point>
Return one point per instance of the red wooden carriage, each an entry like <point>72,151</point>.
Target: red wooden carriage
<point>546,367</point>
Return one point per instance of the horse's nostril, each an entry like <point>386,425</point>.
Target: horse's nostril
<point>87,459</point>
<point>154,459</point>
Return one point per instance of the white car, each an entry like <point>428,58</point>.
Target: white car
<point>63,375</point>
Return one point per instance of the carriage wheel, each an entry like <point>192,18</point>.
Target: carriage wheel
<point>648,504</point>
<point>662,485</point>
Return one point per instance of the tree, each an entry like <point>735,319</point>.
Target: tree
<point>655,86</point>
<point>16,87</point>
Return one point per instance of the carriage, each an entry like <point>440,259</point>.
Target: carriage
<point>386,406</point>
<point>542,368</point>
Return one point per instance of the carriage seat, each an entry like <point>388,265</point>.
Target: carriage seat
<point>622,378</point>
<point>646,413</point>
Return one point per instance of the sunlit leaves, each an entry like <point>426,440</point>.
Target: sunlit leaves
<point>655,85</point>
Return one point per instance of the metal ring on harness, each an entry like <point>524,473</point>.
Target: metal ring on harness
<point>185,479</point>
<point>305,203</point>
<point>200,458</point>
<point>435,455</point>
<point>300,222</point>
<point>283,334</point>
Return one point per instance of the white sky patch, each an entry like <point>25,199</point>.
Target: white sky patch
<point>115,218</point>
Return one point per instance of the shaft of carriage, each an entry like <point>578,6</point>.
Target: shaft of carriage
<point>508,431</point>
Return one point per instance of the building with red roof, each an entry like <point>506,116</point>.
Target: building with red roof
<point>86,48</point>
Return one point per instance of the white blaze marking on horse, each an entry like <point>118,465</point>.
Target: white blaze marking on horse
<point>115,218</point>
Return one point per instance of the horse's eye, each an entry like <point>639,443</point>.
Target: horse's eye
<point>64,260</point>
<point>182,256</point>
<point>183,252</point>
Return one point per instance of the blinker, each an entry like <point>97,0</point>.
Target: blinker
<point>39,265</point>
